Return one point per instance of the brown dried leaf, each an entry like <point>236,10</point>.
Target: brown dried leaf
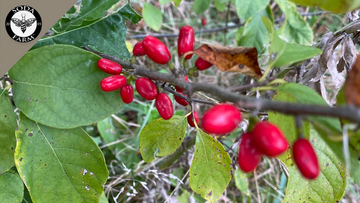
<point>352,84</point>
<point>231,59</point>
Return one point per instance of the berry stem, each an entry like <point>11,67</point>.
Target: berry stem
<point>299,126</point>
<point>133,59</point>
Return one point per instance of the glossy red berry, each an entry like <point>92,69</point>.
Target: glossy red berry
<point>127,94</point>
<point>201,64</point>
<point>156,50</point>
<point>186,41</point>
<point>164,106</point>
<point>203,21</point>
<point>109,66</point>
<point>221,119</point>
<point>190,119</point>
<point>305,159</point>
<point>269,139</point>
<point>138,49</point>
<point>186,78</point>
<point>146,88</point>
<point>180,100</point>
<point>113,83</point>
<point>249,156</point>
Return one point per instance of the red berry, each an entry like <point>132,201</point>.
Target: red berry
<point>127,94</point>
<point>138,49</point>
<point>186,78</point>
<point>305,159</point>
<point>186,41</point>
<point>146,88</point>
<point>164,106</point>
<point>269,139</point>
<point>191,120</point>
<point>203,21</point>
<point>201,64</point>
<point>156,50</point>
<point>221,119</point>
<point>249,156</point>
<point>113,83</point>
<point>109,66</point>
<point>180,100</point>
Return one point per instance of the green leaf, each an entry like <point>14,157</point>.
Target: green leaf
<point>295,29</point>
<point>106,35</point>
<point>162,137</point>
<point>255,33</point>
<point>11,187</point>
<point>328,187</point>
<point>59,86</point>
<point>90,11</point>
<point>128,13</point>
<point>177,2</point>
<point>306,95</point>
<point>200,6</point>
<point>328,128</point>
<point>103,198</point>
<point>287,53</point>
<point>245,9</point>
<point>184,197</point>
<point>7,132</point>
<point>162,2</point>
<point>287,125</point>
<point>241,181</point>
<point>59,165</point>
<point>336,6</point>
<point>220,6</point>
<point>107,131</point>
<point>210,171</point>
<point>152,16</point>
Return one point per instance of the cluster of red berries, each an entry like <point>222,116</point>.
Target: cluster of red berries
<point>266,139</point>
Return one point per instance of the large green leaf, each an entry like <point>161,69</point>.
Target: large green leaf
<point>245,9</point>
<point>11,187</point>
<point>328,128</point>
<point>152,16</point>
<point>200,6</point>
<point>287,53</point>
<point>287,125</point>
<point>255,33</point>
<point>59,86</point>
<point>59,165</point>
<point>162,137</point>
<point>7,132</point>
<point>107,131</point>
<point>89,11</point>
<point>210,171</point>
<point>328,187</point>
<point>295,29</point>
<point>105,35</point>
<point>336,6</point>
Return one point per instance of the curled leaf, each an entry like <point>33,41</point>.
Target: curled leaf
<point>231,59</point>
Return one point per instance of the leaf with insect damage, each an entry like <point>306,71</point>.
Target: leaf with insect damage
<point>231,59</point>
<point>352,84</point>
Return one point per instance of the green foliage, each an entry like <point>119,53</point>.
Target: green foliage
<point>107,131</point>
<point>162,137</point>
<point>287,125</point>
<point>74,19</point>
<point>105,35</point>
<point>11,187</point>
<point>241,181</point>
<point>59,165</point>
<point>152,16</point>
<point>210,171</point>
<point>7,132</point>
<point>336,6</point>
<point>59,86</point>
<point>220,6</point>
<point>255,34</point>
<point>295,29</point>
<point>287,53</point>
<point>328,187</point>
<point>200,6</point>
<point>246,9</point>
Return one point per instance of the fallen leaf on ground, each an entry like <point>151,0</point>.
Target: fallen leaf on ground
<point>352,84</point>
